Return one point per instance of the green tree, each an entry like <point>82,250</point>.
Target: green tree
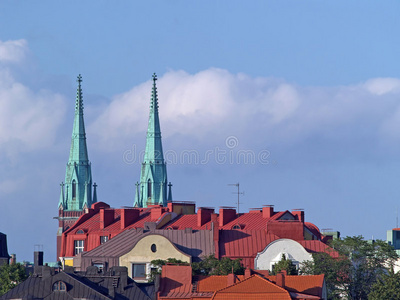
<point>213,266</point>
<point>10,276</point>
<point>386,288</point>
<point>360,264</point>
<point>284,264</point>
<point>336,273</point>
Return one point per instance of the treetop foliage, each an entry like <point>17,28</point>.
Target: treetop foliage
<point>361,265</point>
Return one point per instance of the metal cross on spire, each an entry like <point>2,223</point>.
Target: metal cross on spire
<point>79,80</point>
<point>154,77</point>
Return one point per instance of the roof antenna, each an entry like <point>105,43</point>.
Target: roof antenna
<point>238,194</point>
<point>397,217</point>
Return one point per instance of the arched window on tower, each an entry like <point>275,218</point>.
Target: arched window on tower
<point>73,189</point>
<point>149,188</point>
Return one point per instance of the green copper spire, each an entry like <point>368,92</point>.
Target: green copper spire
<point>152,189</point>
<point>77,194</point>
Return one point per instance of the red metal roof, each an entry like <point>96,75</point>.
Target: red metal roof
<point>315,246</point>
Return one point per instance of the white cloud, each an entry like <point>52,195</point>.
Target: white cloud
<point>28,119</point>
<point>381,86</point>
<point>212,104</point>
<point>13,51</point>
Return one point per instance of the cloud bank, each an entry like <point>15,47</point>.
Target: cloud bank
<point>212,104</point>
<point>28,119</point>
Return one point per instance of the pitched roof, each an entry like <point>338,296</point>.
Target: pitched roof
<point>213,283</point>
<point>251,220</point>
<point>310,284</point>
<point>254,287</point>
<point>78,285</point>
<point>314,246</point>
<point>196,243</point>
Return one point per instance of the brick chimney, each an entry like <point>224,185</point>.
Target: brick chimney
<point>268,211</point>
<point>226,215</point>
<point>106,217</point>
<point>204,215</point>
<point>156,212</point>
<point>215,229</point>
<point>231,279</point>
<point>280,278</point>
<point>128,216</point>
<point>247,273</point>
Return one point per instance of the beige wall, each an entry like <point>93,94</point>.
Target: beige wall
<point>142,252</point>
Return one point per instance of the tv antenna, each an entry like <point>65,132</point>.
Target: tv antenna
<point>238,194</point>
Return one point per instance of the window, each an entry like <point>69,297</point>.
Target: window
<point>73,189</point>
<point>79,245</point>
<point>237,226</point>
<point>103,239</point>
<point>99,266</point>
<point>149,188</point>
<point>59,286</point>
<point>80,231</point>
<point>139,271</point>
<point>153,248</point>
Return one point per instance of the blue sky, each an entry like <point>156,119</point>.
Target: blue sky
<point>309,89</point>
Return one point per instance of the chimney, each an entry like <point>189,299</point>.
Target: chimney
<point>226,215</point>
<point>204,215</point>
<point>215,230</point>
<point>38,258</point>
<point>128,216</point>
<point>106,217</point>
<point>247,273</point>
<point>231,279</point>
<point>280,278</point>
<point>299,214</point>
<point>13,259</point>
<point>268,211</point>
<point>156,212</point>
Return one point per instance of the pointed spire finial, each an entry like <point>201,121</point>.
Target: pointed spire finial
<point>79,100</point>
<point>154,99</point>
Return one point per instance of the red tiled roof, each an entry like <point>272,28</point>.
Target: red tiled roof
<point>254,287</point>
<point>310,284</point>
<point>213,283</point>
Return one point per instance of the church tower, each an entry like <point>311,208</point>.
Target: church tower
<point>153,185</point>
<point>76,191</point>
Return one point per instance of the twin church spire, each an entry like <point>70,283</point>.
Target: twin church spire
<point>153,186</point>
<point>76,191</point>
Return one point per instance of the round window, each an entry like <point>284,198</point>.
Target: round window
<point>153,248</point>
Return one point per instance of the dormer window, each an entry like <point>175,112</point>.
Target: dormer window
<point>59,286</point>
<point>80,231</point>
<point>237,226</point>
<point>73,189</point>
